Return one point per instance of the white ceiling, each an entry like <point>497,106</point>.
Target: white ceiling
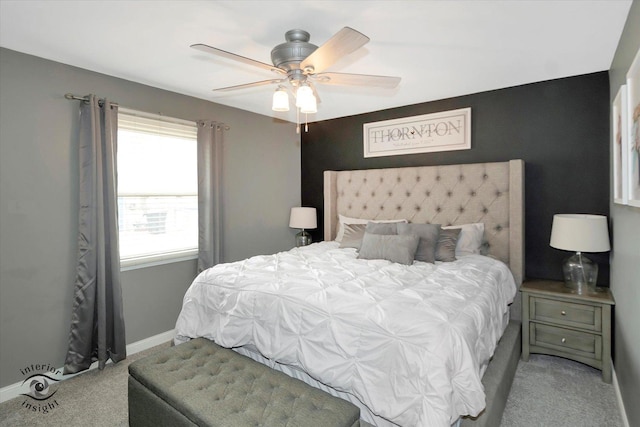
<point>440,49</point>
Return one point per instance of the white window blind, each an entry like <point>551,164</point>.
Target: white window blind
<point>157,188</point>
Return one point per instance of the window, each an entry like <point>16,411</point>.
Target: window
<point>157,188</point>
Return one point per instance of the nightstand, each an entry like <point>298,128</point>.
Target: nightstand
<point>559,322</point>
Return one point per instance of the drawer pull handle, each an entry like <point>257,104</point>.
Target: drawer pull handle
<point>564,313</point>
<point>563,340</point>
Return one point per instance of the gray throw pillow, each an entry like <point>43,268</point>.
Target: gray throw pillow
<point>446,247</point>
<point>428,234</point>
<point>352,235</point>
<point>386,228</point>
<point>394,248</point>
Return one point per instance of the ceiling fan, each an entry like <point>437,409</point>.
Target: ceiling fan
<point>302,64</point>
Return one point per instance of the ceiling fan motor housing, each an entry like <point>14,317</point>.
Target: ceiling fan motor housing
<point>289,55</point>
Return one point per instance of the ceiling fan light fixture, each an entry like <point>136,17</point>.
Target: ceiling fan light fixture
<point>304,95</point>
<point>310,106</point>
<point>280,99</point>
<point>300,63</point>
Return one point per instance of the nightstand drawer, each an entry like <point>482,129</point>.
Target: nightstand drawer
<point>566,313</point>
<point>574,342</point>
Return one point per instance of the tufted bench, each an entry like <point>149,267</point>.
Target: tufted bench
<point>200,383</point>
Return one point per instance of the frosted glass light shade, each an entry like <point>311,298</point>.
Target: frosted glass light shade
<point>304,94</point>
<point>280,100</point>
<point>310,106</point>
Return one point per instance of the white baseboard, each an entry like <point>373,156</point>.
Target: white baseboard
<point>14,390</point>
<point>153,341</point>
<point>616,386</point>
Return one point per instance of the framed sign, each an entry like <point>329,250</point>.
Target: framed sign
<point>619,146</point>
<point>444,131</point>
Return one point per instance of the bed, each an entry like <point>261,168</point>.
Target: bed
<point>407,343</point>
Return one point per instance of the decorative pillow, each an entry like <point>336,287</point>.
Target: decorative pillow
<point>385,228</point>
<point>346,220</point>
<point>394,248</point>
<point>353,234</point>
<point>471,238</point>
<point>428,234</point>
<point>446,247</point>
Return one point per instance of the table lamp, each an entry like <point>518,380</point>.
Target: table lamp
<point>303,218</point>
<point>580,233</point>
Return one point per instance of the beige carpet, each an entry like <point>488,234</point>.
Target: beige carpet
<point>547,392</point>
<point>95,398</point>
<point>551,391</point>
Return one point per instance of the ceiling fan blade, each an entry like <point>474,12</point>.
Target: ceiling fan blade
<point>342,43</point>
<point>229,55</point>
<point>356,80</point>
<point>248,85</point>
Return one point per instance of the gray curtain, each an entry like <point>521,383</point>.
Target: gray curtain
<point>97,321</point>
<point>210,136</point>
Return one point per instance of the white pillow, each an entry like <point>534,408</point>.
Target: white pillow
<point>346,220</point>
<point>470,240</point>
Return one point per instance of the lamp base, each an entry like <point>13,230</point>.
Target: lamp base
<point>580,273</point>
<point>303,239</point>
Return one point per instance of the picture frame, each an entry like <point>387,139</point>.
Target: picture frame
<point>427,133</point>
<point>633,124</point>
<point>619,146</point>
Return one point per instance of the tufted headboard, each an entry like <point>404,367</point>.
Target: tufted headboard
<point>491,193</point>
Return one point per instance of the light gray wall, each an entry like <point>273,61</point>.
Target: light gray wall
<point>625,255</point>
<point>38,186</point>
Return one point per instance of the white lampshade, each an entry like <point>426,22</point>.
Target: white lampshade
<point>280,100</point>
<point>304,218</point>
<point>580,233</point>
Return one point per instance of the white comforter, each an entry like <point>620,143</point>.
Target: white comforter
<point>411,342</point>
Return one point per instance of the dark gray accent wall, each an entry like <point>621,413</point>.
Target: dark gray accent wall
<point>560,128</point>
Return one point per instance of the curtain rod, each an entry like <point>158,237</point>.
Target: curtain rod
<point>72,97</point>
